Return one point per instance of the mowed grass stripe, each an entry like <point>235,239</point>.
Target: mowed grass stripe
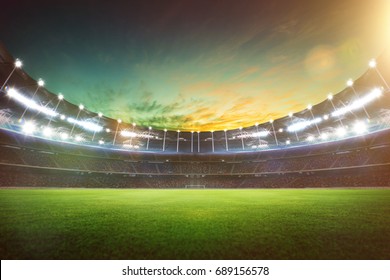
<point>194,224</point>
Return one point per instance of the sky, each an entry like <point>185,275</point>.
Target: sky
<point>193,64</point>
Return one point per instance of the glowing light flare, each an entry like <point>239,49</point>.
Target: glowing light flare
<point>47,132</point>
<point>86,125</point>
<point>310,138</point>
<point>14,94</point>
<point>341,132</point>
<point>324,136</point>
<point>41,82</point>
<point>303,124</point>
<point>359,103</point>
<point>64,136</point>
<point>28,128</point>
<point>372,63</point>
<point>360,127</point>
<point>262,133</point>
<point>18,63</point>
<point>126,133</point>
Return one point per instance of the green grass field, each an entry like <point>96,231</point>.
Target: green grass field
<point>194,224</point>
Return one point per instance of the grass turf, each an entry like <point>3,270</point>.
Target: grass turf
<point>194,224</point>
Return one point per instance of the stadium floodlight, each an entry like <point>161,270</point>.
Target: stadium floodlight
<point>212,140</point>
<point>359,103</point>
<point>14,94</point>
<point>226,139</point>
<point>177,142</point>
<point>302,125</point>
<point>242,138</point>
<point>148,137</point>
<point>192,141</point>
<point>198,132</point>
<point>360,127</point>
<point>64,136</point>
<point>40,83</point>
<point>17,64</point>
<point>341,131</point>
<point>350,84</point>
<point>310,138</point>
<point>372,64</point>
<point>262,133</point>
<point>28,128</point>
<point>126,133</point>
<point>310,107</point>
<point>81,107</point>
<point>330,98</point>
<point>324,136</point>
<point>60,97</point>
<point>273,129</point>
<point>119,121</point>
<point>100,115</point>
<point>291,118</point>
<point>47,132</point>
<point>165,136</point>
<point>258,133</point>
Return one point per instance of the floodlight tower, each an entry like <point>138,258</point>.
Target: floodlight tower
<point>242,138</point>
<point>372,64</point>
<point>116,131</point>
<point>177,143</point>
<point>17,64</point>
<point>330,98</point>
<point>273,129</point>
<point>81,107</point>
<point>350,84</point>
<point>212,140</point>
<point>60,97</point>
<point>226,140</point>
<point>309,107</point>
<point>165,135</point>
<point>148,136</point>
<point>291,118</point>
<point>257,132</point>
<point>198,141</point>
<point>41,83</point>
<point>100,115</point>
<point>192,141</point>
<point>133,134</point>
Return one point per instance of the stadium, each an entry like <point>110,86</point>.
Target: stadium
<point>77,184</point>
